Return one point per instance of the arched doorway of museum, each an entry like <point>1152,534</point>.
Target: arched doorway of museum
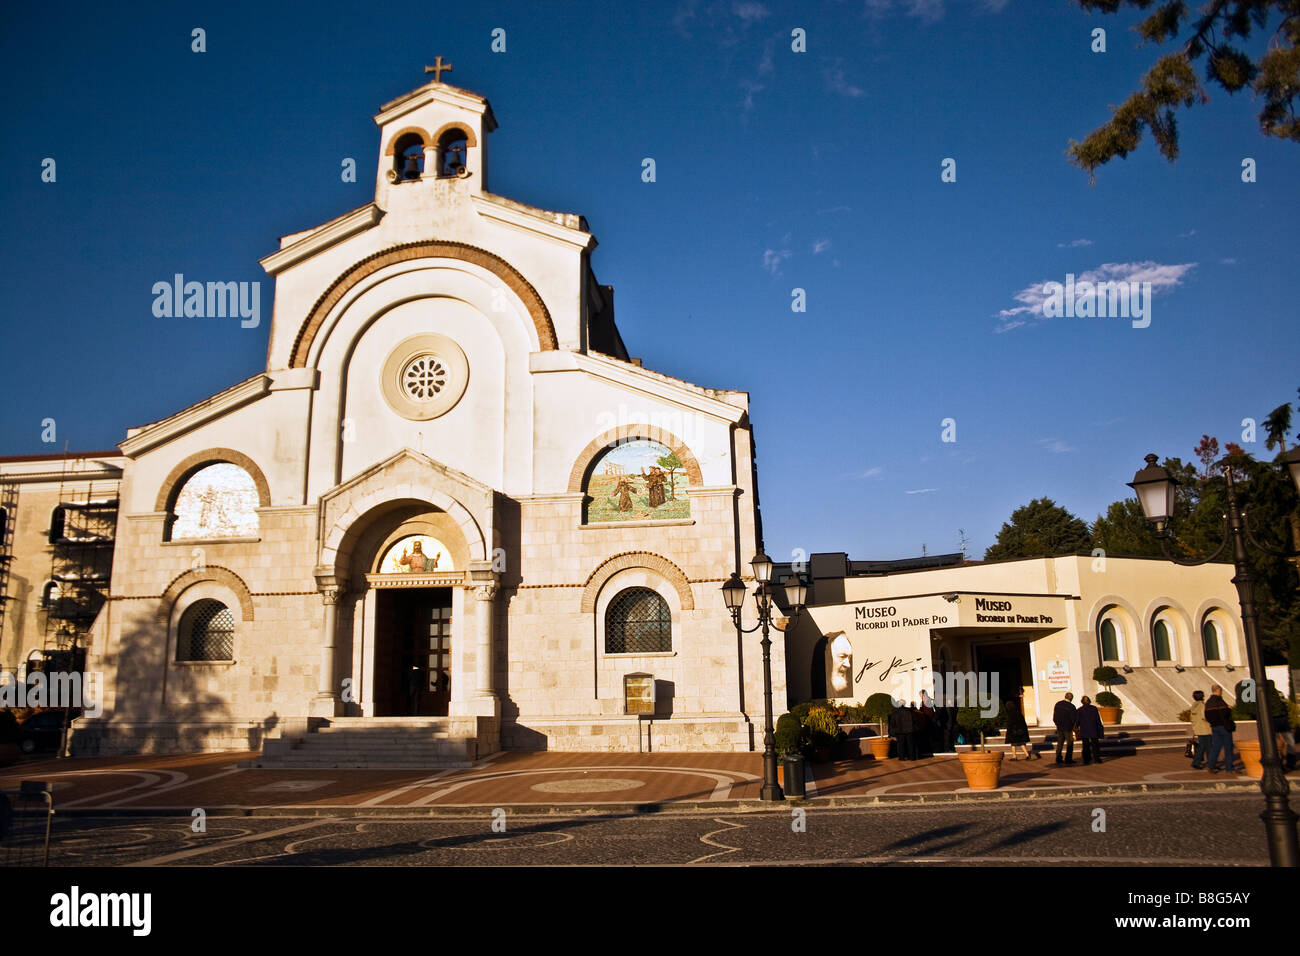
<point>413,633</point>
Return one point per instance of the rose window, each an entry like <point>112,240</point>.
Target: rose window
<point>424,377</point>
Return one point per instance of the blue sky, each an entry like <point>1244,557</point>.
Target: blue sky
<point>775,170</point>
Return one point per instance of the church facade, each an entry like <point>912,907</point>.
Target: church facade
<point>451,501</point>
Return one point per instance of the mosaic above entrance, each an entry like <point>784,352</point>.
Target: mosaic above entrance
<point>638,480</point>
<point>417,554</point>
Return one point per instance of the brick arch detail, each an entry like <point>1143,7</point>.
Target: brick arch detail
<point>361,508</point>
<point>615,436</point>
<point>637,559</point>
<point>210,572</point>
<point>431,249</point>
<point>392,143</point>
<point>470,139</point>
<point>212,456</point>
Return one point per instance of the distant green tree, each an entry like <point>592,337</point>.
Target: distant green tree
<point>671,463</point>
<point>1041,528</point>
<point>1124,533</point>
<point>1171,82</point>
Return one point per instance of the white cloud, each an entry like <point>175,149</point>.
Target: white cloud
<point>875,472</point>
<point>1056,446</point>
<point>1164,277</point>
<point>1227,262</point>
<point>772,259</point>
<point>751,89</point>
<point>1187,235</point>
<point>749,12</point>
<point>820,246</point>
<point>1074,244</point>
<point>920,491</point>
<point>837,83</point>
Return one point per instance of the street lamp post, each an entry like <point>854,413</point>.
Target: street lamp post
<point>733,594</point>
<point>1155,492</point>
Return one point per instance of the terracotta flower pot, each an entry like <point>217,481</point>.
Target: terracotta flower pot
<point>1109,715</point>
<point>879,747</point>
<point>982,767</point>
<point>1248,750</point>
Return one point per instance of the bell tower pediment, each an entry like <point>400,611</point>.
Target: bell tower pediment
<point>433,137</point>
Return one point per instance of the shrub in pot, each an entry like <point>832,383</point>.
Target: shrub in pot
<point>1108,704</point>
<point>877,708</point>
<point>982,766</point>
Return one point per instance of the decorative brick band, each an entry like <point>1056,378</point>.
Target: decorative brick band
<point>211,572</point>
<point>470,138</point>
<point>171,486</point>
<point>616,436</point>
<point>423,250</point>
<point>392,143</point>
<point>637,559</point>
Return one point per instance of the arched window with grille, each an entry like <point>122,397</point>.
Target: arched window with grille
<point>1210,640</point>
<point>638,621</point>
<point>206,633</point>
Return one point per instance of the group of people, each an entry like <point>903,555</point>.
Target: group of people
<point>923,730</point>
<point>1082,722</point>
<point>1212,727</point>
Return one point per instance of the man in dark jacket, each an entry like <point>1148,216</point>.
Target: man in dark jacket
<point>1064,717</point>
<point>900,728</point>
<point>1088,723</point>
<point>1219,716</point>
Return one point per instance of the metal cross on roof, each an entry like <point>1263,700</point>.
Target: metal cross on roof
<point>437,69</point>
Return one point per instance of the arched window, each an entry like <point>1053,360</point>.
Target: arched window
<point>408,157</point>
<point>1210,640</point>
<point>452,150</point>
<point>638,621</point>
<point>4,525</point>
<point>217,501</point>
<point>206,633</point>
<point>1164,645</point>
<point>50,594</point>
<point>637,480</point>
<point>1110,640</point>
<point>58,524</point>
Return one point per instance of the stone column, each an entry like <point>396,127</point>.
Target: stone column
<point>430,162</point>
<point>486,703</point>
<point>326,702</point>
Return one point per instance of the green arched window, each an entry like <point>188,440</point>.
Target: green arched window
<point>1109,640</point>
<point>1164,646</point>
<point>1210,639</point>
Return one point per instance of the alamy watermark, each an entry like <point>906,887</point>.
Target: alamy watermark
<point>210,300</point>
<point>1110,299</point>
<point>57,689</point>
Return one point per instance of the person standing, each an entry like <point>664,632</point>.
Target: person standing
<point>1018,731</point>
<point>1064,716</point>
<point>1200,730</point>
<point>1219,716</point>
<point>1088,723</point>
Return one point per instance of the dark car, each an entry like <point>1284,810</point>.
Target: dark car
<point>41,731</point>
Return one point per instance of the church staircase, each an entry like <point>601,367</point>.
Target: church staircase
<point>381,743</point>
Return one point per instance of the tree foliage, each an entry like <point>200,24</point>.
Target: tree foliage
<point>1268,497</point>
<point>1214,33</point>
<point>1041,528</point>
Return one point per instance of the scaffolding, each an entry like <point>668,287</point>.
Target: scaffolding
<point>8,518</point>
<point>83,529</point>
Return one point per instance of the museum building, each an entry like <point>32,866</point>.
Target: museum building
<point>1031,628</point>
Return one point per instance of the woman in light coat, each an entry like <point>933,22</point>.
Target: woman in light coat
<point>1200,730</point>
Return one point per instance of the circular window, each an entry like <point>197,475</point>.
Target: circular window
<point>424,377</point>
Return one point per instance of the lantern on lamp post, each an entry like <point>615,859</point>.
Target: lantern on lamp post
<point>733,595</point>
<point>1155,492</point>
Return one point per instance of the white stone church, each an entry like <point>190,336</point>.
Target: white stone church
<point>451,503</point>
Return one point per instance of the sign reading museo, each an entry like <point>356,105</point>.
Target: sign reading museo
<point>876,618</point>
<point>990,611</point>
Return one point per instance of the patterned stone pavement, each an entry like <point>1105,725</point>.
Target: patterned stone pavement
<point>567,782</point>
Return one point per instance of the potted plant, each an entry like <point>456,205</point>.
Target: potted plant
<point>822,731</point>
<point>1248,710</point>
<point>878,708</point>
<point>791,738</point>
<point>1108,704</point>
<point>982,766</point>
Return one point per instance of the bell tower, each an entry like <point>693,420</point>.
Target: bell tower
<point>434,137</point>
